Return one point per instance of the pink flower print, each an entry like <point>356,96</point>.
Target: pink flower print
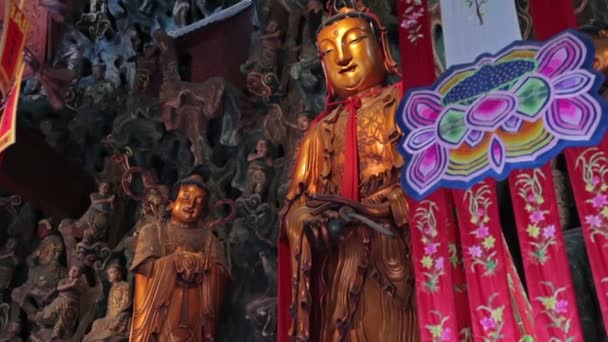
<point>482,232</point>
<point>562,306</point>
<point>593,220</point>
<point>446,335</point>
<point>596,180</point>
<point>549,231</point>
<point>488,323</point>
<point>427,230</point>
<point>532,198</point>
<point>408,23</point>
<point>599,201</point>
<point>475,251</point>
<point>439,264</point>
<point>480,212</point>
<point>431,248</point>
<point>537,216</point>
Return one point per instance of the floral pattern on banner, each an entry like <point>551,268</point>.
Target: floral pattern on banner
<point>433,264</point>
<point>439,332</point>
<point>414,11</point>
<point>492,320</point>
<point>541,234</point>
<point>593,164</point>
<point>556,309</point>
<point>483,253</point>
<point>542,245</point>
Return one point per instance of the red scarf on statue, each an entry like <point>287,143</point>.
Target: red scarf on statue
<point>349,190</point>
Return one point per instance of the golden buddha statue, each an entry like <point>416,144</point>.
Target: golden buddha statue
<point>351,282</point>
<point>181,272</point>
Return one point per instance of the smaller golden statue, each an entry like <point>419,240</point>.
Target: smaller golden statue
<point>114,326</point>
<point>181,271</point>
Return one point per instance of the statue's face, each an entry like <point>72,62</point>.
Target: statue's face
<point>262,147</point>
<point>303,122</point>
<point>351,55</point>
<point>46,254</point>
<point>74,272</point>
<point>189,204</point>
<point>601,52</point>
<point>104,188</point>
<point>113,275</point>
<point>98,73</point>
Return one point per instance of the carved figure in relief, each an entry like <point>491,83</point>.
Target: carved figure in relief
<point>114,326</point>
<point>181,271</point>
<point>59,319</point>
<point>259,169</point>
<point>181,12</point>
<point>261,69</point>
<point>8,263</point>
<point>94,221</point>
<point>44,274</point>
<point>363,269</point>
<point>101,90</point>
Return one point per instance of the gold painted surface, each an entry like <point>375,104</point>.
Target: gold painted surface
<point>366,278</point>
<point>180,298</point>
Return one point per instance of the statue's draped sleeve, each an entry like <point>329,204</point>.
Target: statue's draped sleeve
<point>148,316</point>
<point>396,197</point>
<point>154,290</point>
<point>148,245</point>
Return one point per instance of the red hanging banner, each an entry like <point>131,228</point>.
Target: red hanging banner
<point>588,169</point>
<point>434,260</point>
<point>498,307</point>
<point>442,303</point>
<point>551,17</point>
<point>586,166</point>
<point>543,251</point>
<point>14,32</point>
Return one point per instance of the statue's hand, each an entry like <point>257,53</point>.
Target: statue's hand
<point>322,229</point>
<point>189,265</point>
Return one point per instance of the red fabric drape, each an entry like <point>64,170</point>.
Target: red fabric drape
<point>497,304</point>
<point>542,247</point>
<point>590,186</point>
<point>585,165</point>
<point>550,17</point>
<point>443,313</point>
<point>440,295</point>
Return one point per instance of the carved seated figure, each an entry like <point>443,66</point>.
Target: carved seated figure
<point>102,203</point>
<point>101,90</point>
<point>8,263</point>
<point>181,272</point>
<point>44,274</point>
<point>114,326</point>
<point>59,319</point>
<point>259,170</point>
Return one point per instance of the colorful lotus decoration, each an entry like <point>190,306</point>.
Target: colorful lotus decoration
<point>516,109</point>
